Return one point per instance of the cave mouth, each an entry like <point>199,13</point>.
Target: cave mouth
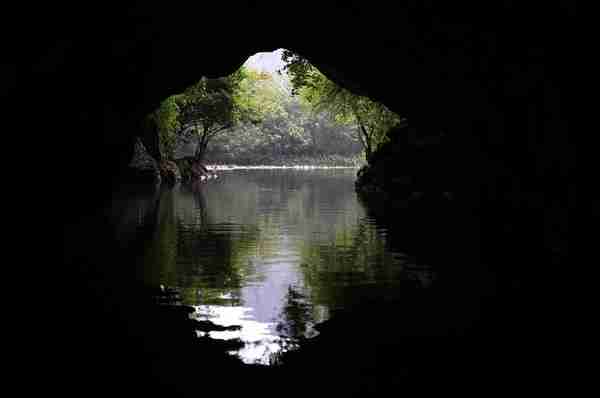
<point>257,253</point>
<point>266,256</point>
<point>276,110</point>
<point>502,87</point>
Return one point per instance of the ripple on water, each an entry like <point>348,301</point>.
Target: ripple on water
<point>274,252</point>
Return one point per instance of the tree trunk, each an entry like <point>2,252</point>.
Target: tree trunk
<point>367,138</point>
<point>368,144</point>
<point>201,148</point>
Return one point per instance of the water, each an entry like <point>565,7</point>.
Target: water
<point>274,252</point>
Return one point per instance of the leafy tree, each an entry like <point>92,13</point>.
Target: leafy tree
<point>208,108</point>
<point>250,117</point>
<point>203,111</point>
<point>288,132</point>
<point>257,97</point>
<point>372,119</point>
<point>165,119</point>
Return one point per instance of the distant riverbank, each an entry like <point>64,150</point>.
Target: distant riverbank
<point>289,161</point>
<point>217,167</point>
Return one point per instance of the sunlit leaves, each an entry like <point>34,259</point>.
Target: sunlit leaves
<point>252,112</point>
<point>209,106</point>
<point>372,119</point>
<point>167,123</point>
<point>258,97</point>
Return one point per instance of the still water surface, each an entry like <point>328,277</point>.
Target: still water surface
<point>273,251</point>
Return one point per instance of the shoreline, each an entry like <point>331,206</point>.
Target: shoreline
<point>214,167</point>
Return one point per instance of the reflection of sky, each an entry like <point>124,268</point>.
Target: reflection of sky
<point>259,337</point>
<point>273,224</point>
<point>268,296</point>
<point>285,226</point>
<point>264,302</point>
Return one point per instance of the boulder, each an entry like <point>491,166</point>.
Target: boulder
<point>169,172</point>
<point>412,165</point>
<point>142,165</point>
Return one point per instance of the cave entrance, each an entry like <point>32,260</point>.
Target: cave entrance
<point>280,128</point>
<point>276,110</point>
<point>263,256</point>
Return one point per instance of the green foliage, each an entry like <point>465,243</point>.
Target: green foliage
<point>248,117</point>
<point>282,130</point>
<point>207,108</point>
<point>302,73</point>
<point>165,119</point>
<point>258,97</point>
<point>372,120</point>
<point>208,104</point>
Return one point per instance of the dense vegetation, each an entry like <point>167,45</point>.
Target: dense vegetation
<point>286,130</point>
<point>251,117</point>
<point>370,120</point>
<point>203,111</point>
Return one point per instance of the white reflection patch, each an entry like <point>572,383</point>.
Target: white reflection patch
<point>259,340</point>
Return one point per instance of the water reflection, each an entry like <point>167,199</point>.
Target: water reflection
<point>273,251</point>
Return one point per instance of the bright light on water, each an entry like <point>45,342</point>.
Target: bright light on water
<point>274,252</point>
<point>259,339</point>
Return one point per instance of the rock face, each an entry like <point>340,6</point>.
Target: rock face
<point>192,170</point>
<point>169,172</point>
<point>413,165</point>
<point>142,165</point>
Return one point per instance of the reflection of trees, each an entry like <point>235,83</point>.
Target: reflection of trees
<point>354,266</point>
<point>214,260</point>
<point>210,238</point>
<point>160,255</point>
<point>204,262</point>
<point>297,314</point>
<point>131,212</point>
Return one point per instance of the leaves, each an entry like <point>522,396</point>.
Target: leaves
<point>208,108</point>
<point>372,120</point>
<point>253,115</point>
<point>166,120</point>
